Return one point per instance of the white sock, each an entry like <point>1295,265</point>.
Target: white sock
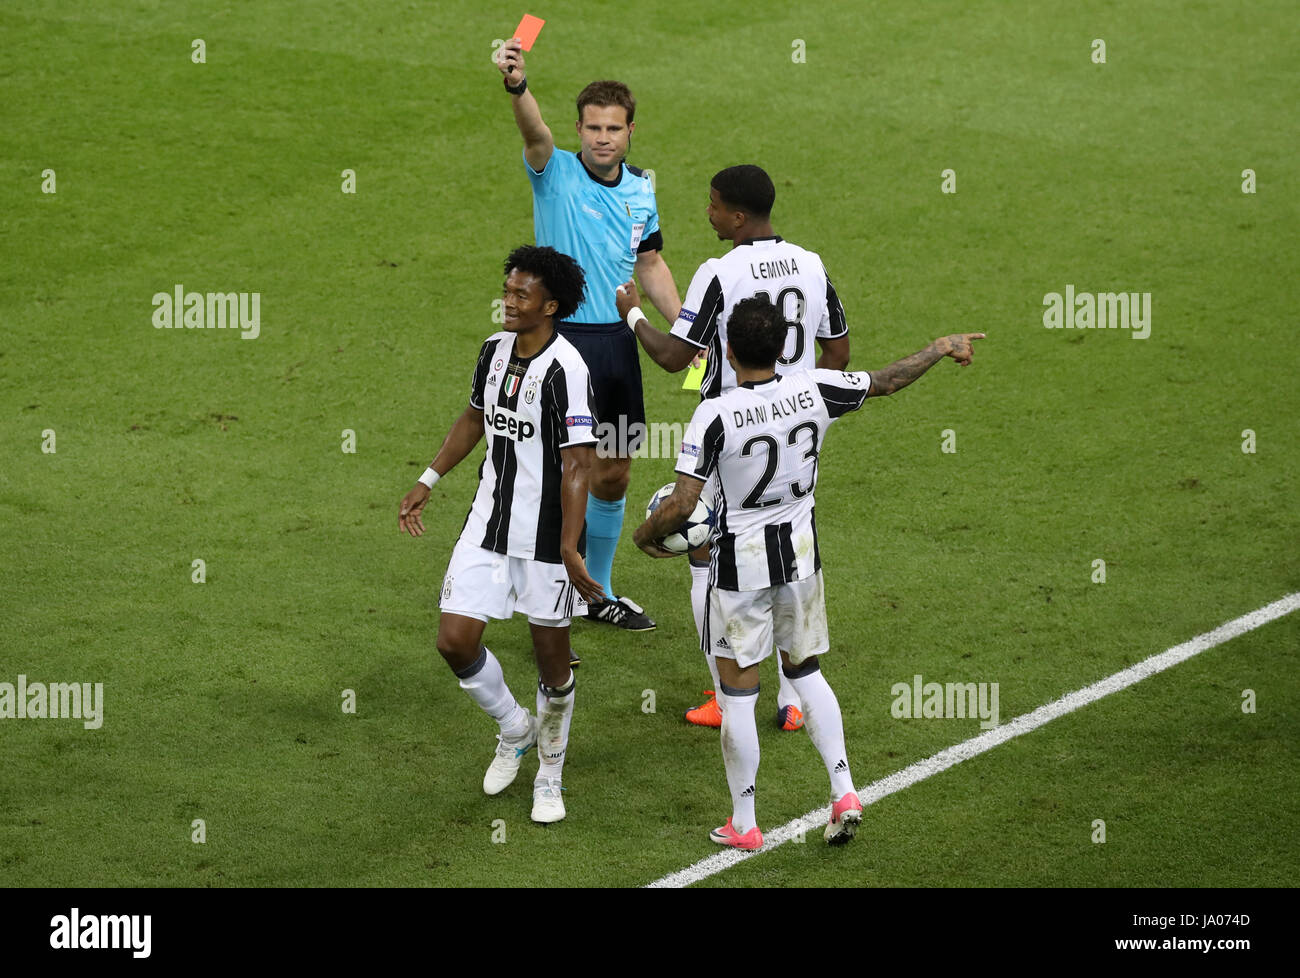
<point>786,695</point>
<point>486,685</point>
<point>740,754</point>
<point>699,590</point>
<point>825,725</point>
<point>554,714</point>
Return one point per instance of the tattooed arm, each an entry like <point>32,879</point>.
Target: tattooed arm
<point>670,514</point>
<point>902,372</point>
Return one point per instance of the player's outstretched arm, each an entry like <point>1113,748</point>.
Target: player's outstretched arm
<point>902,372</point>
<point>460,441</point>
<point>573,505</point>
<point>671,514</point>
<point>538,141</point>
<point>657,280</point>
<point>671,352</point>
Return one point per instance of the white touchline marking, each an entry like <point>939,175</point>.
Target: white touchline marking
<point>872,793</point>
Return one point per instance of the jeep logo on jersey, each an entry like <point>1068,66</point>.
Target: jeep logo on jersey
<point>508,423</point>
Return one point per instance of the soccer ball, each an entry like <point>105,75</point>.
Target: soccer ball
<point>690,534</point>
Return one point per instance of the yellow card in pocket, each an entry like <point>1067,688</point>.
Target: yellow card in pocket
<point>695,372</point>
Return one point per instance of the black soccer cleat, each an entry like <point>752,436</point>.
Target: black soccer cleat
<point>621,612</point>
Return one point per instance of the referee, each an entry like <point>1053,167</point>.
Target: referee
<point>601,211</point>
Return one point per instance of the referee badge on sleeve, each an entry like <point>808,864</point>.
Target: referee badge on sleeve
<point>637,230</point>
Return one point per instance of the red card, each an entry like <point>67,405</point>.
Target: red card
<point>528,30</point>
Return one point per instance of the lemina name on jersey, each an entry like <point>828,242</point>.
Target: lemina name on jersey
<point>762,441</point>
<point>532,408</point>
<point>791,278</point>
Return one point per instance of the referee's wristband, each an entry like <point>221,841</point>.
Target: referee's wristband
<point>520,89</point>
<point>633,315</point>
<point>429,477</point>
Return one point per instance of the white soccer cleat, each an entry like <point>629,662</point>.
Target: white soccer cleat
<point>505,766</point>
<point>548,804</point>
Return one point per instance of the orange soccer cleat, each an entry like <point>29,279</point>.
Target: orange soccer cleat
<point>789,718</point>
<point>707,714</point>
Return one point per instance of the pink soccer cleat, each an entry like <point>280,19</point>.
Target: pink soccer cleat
<point>846,816</point>
<point>727,836</point>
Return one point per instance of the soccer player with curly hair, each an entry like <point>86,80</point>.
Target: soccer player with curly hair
<point>518,552</point>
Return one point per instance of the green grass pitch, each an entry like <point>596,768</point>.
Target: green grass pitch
<point>222,700</point>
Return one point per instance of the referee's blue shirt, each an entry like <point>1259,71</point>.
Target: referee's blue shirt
<point>602,225</point>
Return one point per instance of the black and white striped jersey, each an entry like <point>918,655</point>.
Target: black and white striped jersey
<point>531,408</point>
<point>761,442</point>
<point>792,278</point>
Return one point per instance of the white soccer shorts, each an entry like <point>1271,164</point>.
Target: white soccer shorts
<point>482,584</point>
<point>744,625</point>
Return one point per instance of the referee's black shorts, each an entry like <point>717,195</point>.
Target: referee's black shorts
<point>610,352</point>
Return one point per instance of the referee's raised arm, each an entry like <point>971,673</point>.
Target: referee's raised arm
<point>538,141</point>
